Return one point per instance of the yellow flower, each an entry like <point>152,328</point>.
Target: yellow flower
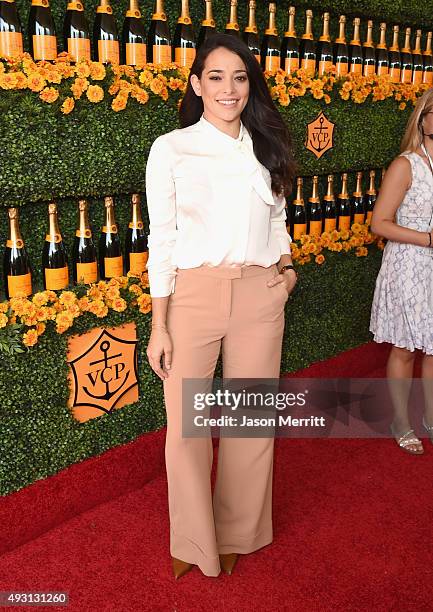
<point>30,338</point>
<point>73,310</point>
<point>49,95</point>
<point>36,82</point>
<point>119,304</point>
<point>135,289</point>
<point>4,307</point>
<point>63,322</point>
<point>145,303</point>
<point>284,100</point>
<point>68,105</point>
<point>356,228</point>
<point>82,69</point>
<point>344,234</point>
<point>40,328</point>
<point>67,298</point>
<point>156,86</point>
<point>361,251</point>
<point>146,77</point>
<point>97,71</point>
<point>79,86</point>
<point>140,95</point>
<point>84,303</point>
<point>119,103</point>
<point>402,105</point>
<point>335,235</point>
<point>95,93</point>
<point>40,298</point>
<point>112,292</point>
<point>3,320</point>
<point>319,259</point>
<point>8,81</point>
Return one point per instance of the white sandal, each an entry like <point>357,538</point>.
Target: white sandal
<point>408,439</point>
<point>428,428</point>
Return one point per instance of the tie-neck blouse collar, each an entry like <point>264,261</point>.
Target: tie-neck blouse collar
<point>222,136</point>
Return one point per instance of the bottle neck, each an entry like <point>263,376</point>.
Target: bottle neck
<point>84,226</point>
<point>344,193</point>
<point>133,5</point>
<point>54,231</point>
<point>325,34</point>
<point>15,238</point>
<point>417,49</point>
<point>395,40</point>
<point>308,29</point>
<point>341,35</point>
<point>330,192</point>
<point>369,41</point>
<point>233,19</point>
<point>382,41</point>
<point>428,50</point>
<point>271,25</point>
<point>136,219</point>
<point>358,190</point>
<point>371,188</point>
<point>110,220</point>
<point>407,41</point>
<point>315,193</point>
<point>252,26</point>
<point>291,32</point>
<point>299,200</point>
<point>208,19</point>
<point>356,39</point>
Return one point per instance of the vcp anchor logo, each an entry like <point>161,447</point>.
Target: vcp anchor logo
<point>320,135</point>
<point>105,373</point>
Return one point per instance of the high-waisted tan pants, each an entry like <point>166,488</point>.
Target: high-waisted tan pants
<point>232,307</point>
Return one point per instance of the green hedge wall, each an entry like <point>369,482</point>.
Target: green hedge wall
<point>329,312</point>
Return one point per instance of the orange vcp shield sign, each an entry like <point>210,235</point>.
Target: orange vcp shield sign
<point>102,371</point>
<point>320,135</point>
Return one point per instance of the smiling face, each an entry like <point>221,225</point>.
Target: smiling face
<point>224,88</point>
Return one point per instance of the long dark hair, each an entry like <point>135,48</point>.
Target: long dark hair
<point>271,138</point>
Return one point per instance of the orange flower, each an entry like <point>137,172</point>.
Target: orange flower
<point>119,304</point>
<point>3,320</point>
<point>68,105</point>
<point>119,103</point>
<point>319,259</point>
<point>49,95</point>
<point>40,328</point>
<point>135,289</point>
<point>82,70</point>
<point>145,303</point>
<point>95,93</point>
<point>36,82</point>
<point>156,86</point>
<point>30,338</point>
<point>67,298</point>
<point>4,307</point>
<point>97,71</point>
<point>140,95</point>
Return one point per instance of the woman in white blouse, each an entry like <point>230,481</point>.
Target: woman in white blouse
<point>220,273</point>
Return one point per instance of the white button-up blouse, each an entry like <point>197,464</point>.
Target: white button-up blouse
<point>210,202</point>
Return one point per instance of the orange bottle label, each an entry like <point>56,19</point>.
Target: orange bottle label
<point>315,228</point>
<point>108,51</point>
<point>324,66</point>
<point>342,68</point>
<point>20,284</point>
<point>136,54</point>
<point>359,218</point>
<point>11,43</point>
<point>272,62</point>
<point>394,73</point>
<point>406,75</point>
<point>75,6</point>
<point>368,69</point>
<point>344,223</point>
<point>291,64</point>
<point>79,48</point>
<point>44,47</point>
<point>161,54</point>
<point>137,262</point>
<point>330,225</point>
<point>309,65</point>
<point>298,230</point>
<point>113,266</point>
<point>427,78</point>
<point>184,56</point>
<point>381,70</point>
<point>104,9</point>
<point>417,77</point>
<point>56,278</point>
<point>87,272</point>
<point>356,68</point>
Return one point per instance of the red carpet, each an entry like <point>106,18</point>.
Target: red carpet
<point>351,532</point>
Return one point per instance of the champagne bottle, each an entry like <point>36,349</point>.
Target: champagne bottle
<point>382,61</point>
<point>355,49</point>
<point>314,212</point>
<point>418,64</point>
<point>133,51</point>
<point>54,258</point>
<point>299,218</point>
<point>341,51</point>
<point>270,51</point>
<point>11,38</point>
<point>250,34</point>
<point>427,76</point>
<point>406,60</point>
<point>330,212</point>
<point>368,52</point>
<point>76,36</point>
<point>290,45</point>
<point>394,57</point>
<point>324,48</point>
<point>85,267</point>
<point>207,25</point>
<point>370,198</point>
<point>158,38</point>
<point>136,252</point>
<point>110,253</point>
<point>184,38</point>
<point>232,26</point>
<point>105,34</point>
<point>343,206</point>
<point>358,210</point>
<point>307,47</point>
<point>42,32</point>
<point>16,263</point>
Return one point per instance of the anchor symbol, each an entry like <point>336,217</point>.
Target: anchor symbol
<point>105,360</point>
<point>320,130</point>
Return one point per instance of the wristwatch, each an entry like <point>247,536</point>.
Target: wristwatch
<point>288,267</point>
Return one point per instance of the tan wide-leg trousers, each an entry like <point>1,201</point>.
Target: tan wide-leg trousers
<point>232,307</point>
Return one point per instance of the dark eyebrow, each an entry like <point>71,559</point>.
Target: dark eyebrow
<point>216,70</point>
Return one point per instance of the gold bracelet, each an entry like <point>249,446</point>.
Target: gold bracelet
<point>158,325</point>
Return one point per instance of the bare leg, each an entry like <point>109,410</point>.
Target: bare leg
<point>399,371</point>
<point>427,382</point>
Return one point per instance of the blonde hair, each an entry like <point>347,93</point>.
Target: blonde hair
<point>413,135</point>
